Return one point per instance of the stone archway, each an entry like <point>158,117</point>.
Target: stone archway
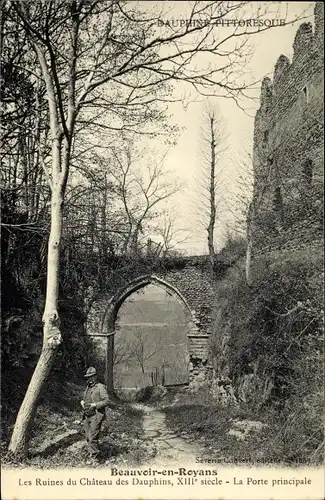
<point>109,317</point>
<point>197,340</point>
<point>181,335</point>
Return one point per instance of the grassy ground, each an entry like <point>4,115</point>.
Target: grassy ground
<point>58,441</point>
<point>231,434</point>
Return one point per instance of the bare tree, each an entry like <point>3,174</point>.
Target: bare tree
<point>143,348</point>
<point>241,206</point>
<point>141,189</point>
<point>171,236</point>
<point>175,365</point>
<point>246,203</point>
<point>122,351</point>
<point>209,185</point>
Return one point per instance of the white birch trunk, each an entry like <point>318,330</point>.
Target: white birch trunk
<point>51,322</point>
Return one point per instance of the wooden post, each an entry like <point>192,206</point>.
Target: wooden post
<point>110,363</point>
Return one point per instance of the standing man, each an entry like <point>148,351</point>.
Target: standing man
<point>94,404</point>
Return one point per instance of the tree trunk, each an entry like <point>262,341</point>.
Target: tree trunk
<point>212,193</point>
<point>51,332</point>
<point>249,248</point>
<point>248,264</point>
<point>21,434</point>
<point>210,244</point>
<point>134,244</point>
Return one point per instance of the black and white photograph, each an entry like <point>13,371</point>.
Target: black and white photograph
<point>162,250</point>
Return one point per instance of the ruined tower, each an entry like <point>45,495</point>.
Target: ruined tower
<point>289,142</point>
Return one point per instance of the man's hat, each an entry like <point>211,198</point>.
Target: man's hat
<point>90,372</point>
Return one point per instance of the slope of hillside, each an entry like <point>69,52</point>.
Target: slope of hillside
<point>267,363</point>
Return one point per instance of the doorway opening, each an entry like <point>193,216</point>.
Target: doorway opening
<point>151,340</point>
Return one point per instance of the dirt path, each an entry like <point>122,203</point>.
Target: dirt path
<point>162,444</point>
<point>60,441</point>
<point>170,448</point>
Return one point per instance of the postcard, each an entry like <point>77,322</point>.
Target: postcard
<point>162,250</point>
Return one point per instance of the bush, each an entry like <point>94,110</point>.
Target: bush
<point>268,340</point>
<point>150,393</point>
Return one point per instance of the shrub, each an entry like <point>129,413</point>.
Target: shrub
<point>268,339</point>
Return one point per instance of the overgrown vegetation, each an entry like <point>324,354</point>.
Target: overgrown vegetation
<point>194,417</point>
<point>267,352</point>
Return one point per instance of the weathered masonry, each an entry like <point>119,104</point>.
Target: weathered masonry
<point>288,153</point>
<point>189,280</point>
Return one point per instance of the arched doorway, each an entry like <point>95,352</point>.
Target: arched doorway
<point>160,357</point>
<point>151,343</point>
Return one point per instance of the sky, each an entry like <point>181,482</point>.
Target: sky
<point>184,159</point>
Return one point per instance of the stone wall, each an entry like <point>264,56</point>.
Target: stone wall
<point>289,140</point>
<point>189,280</point>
